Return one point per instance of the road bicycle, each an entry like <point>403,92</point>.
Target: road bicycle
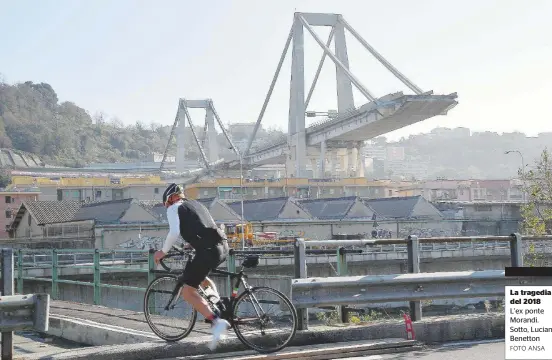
<point>268,338</point>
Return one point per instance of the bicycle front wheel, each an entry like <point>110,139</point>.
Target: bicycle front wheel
<point>168,316</point>
<point>256,327</point>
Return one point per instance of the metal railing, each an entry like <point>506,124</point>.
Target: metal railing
<point>61,262</point>
<point>413,244</point>
<point>43,258</point>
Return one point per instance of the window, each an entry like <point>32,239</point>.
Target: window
<point>59,195</point>
<point>8,200</point>
<point>29,219</point>
<point>98,194</point>
<point>156,191</point>
<point>390,192</point>
<point>8,214</point>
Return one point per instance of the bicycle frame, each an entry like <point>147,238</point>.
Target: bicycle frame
<point>240,278</point>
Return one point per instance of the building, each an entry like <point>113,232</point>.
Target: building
<point>10,201</point>
<point>281,209</point>
<point>43,219</point>
<point>405,208</point>
<point>484,217</point>
<point>125,211</point>
<point>228,189</point>
<point>92,188</point>
<point>221,212</point>
<point>344,208</point>
<point>33,218</point>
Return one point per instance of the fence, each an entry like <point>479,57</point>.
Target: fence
<point>97,262</point>
<point>19,312</point>
<point>52,266</point>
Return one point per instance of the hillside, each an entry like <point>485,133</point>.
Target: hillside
<point>33,120</point>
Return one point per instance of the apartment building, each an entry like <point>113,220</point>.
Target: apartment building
<point>229,188</point>
<point>10,201</point>
<point>146,188</point>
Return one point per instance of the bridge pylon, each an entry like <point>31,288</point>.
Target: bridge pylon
<point>209,135</point>
<point>299,153</point>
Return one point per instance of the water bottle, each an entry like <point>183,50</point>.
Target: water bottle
<point>212,295</point>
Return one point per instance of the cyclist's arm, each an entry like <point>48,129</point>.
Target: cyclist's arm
<point>174,229</point>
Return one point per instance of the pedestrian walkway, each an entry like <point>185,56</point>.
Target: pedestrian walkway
<point>30,342</point>
<point>124,326</point>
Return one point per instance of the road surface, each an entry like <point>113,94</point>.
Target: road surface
<point>482,350</point>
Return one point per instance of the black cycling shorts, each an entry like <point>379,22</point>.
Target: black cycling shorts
<point>205,260</point>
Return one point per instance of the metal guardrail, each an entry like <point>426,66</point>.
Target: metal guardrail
<point>38,258</point>
<point>413,249</point>
<point>19,312</point>
<point>98,261</point>
<point>400,287</point>
<point>55,262</point>
<point>102,261</point>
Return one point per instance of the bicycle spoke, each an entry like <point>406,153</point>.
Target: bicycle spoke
<point>265,326</point>
<point>167,314</point>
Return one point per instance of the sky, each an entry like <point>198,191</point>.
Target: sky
<point>134,59</point>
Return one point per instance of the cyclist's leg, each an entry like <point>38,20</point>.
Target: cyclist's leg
<point>221,254</point>
<point>194,274</point>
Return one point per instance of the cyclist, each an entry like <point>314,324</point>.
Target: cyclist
<point>191,220</point>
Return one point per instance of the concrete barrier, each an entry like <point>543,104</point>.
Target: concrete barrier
<point>89,332</point>
<point>429,330</point>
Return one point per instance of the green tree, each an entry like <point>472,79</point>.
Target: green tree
<point>536,212</point>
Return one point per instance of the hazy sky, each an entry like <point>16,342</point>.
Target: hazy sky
<point>133,59</point>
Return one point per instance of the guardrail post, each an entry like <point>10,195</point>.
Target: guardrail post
<point>413,248</point>
<point>7,290</point>
<point>300,265</point>
<point>97,278</point>
<point>342,271</point>
<point>20,271</point>
<point>231,267</point>
<point>151,277</point>
<point>516,250</point>
<point>151,266</point>
<point>54,275</point>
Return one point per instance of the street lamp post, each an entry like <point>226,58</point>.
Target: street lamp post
<point>522,166</point>
<point>240,158</point>
<point>241,192</point>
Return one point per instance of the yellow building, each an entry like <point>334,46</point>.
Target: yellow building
<point>229,188</point>
<point>93,188</point>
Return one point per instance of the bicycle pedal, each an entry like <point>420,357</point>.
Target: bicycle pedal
<point>207,321</point>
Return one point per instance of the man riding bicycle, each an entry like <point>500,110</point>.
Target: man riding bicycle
<point>191,220</point>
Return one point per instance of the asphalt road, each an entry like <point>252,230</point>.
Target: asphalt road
<point>483,350</point>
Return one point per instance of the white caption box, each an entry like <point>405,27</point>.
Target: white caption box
<point>528,322</point>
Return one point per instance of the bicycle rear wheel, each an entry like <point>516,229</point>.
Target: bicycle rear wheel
<point>167,314</point>
<point>256,328</point>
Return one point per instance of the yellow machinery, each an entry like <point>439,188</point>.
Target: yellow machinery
<point>234,234</point>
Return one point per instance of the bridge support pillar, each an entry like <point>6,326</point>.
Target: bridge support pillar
<point>314,167</point>
<point>345,100</point>
<point>296,124</point>
<point>351,160</point>
<point>180,160</point>
<point>211,137</point>
<point>360,160</point>
<point>322,160</point>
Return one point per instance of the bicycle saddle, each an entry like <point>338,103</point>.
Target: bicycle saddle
<point>250,261</point>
